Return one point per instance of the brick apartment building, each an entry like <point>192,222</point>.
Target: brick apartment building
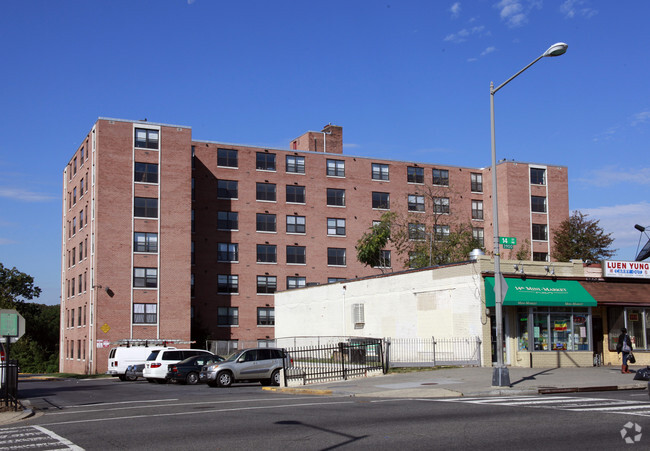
<point>172,238</point>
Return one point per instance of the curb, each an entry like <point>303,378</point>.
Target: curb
<point>300,391</point>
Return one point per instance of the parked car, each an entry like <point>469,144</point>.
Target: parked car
<point>155,368</point>
<point>249,365</point>
<point>121,357</point>
<point>187,371</point>
<point>133,372</point>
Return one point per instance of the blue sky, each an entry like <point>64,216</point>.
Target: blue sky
<point>407,80</point>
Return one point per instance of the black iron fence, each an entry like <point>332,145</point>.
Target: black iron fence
<point>9,384</point>
<point>353,358</point>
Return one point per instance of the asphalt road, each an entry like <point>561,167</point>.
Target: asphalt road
<point>109,414</point>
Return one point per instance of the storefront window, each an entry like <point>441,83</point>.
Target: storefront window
<point>616,322</point>
<point>556,329</point>
<point>635,328</point>
<point>522,335</point>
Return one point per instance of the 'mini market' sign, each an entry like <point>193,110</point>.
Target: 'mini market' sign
<point>636,270</point>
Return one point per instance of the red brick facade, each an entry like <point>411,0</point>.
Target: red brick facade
<point>189,232</point>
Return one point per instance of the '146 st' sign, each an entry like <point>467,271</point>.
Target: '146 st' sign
<point>637,270</point>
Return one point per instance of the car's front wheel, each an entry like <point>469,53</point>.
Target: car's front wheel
<point>275,378</point>
<point>192,378</point>
<point>224,379</point>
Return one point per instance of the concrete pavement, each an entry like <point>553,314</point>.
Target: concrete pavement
<point>455,382</point>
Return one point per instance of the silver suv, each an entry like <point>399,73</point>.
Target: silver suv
<point>249,365</point>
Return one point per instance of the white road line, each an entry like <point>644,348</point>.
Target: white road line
<point>203,412</point>
<point>95,404</point>
<point>612,408</point>
<point>60,439</point>
<point>178,404</point>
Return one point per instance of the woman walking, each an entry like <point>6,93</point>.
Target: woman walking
<point>625,346</point>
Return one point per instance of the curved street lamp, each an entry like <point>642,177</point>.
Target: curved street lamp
<point>500,375</point>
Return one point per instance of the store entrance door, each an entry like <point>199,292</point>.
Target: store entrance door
<point>597,340</point>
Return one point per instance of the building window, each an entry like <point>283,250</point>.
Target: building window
<point>74,226</point>
<point>441,177</point>
<point>81,286</point>
<point>380,200</point>
<point>336,168</point>
<point>81,188</point>
<point>297,255</point>
<point>296,194</point>
<point>538,204</point>
<point>441,232</point>
<point>295,164</point>
<point>478,235</point>
<point>295,224</point>
<point>265,191</point>
<point>227,189</point>
<point>537,176</point>
<point>145,313</point>
<point>192,291</point>
<point>227,158</point>
<point>296,282</point>
<point>477,209</point>
<point>414,175</point>
<point>335,256</point>
<point>441,205</point>
<point>265,316</point>
<point>335,197</point>
<point>265,222</point>
<point>476,182</point>
<point>145,242</point>
<point>228,316</point>
<point>267,284</point>
<point>81,155</point>
<point>267,253</point>
<point>379,171</point>
<point>384,260</point>
<point>265,161</point>
<point>540,232</point>
<point>147,139</point>
<point>417,232</point>
<point>227,283</point>
<point>554,329</point>
<point>540,256</point>
<point>145,277</point>
<point>227,252</point>
<point>415,202</point>
<point>146,173</point>
<point>335,279</point>
<point>81,219</point>
<point>336,226</point>
<point>227,220</point>
<point>145,207</point>
<point>74,196</point>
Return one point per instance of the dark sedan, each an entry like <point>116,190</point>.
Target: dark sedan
<point>187,371</point>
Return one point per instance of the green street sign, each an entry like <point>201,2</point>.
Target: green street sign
<point>12,325</point>
<point>508,246</point>
<point>507,240</point>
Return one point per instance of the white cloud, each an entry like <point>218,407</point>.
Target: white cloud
<point>641,118</point>
<point>488,50</point>
<point>462,35</point>
<point>24,195</point>
<point>455,10</point>
<point>572,8</point>
<point>619,220</point>
<point>189,2</point>
<point>612,175</point>
<point>515,12</point>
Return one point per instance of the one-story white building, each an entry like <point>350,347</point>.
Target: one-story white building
<point>547,313</point>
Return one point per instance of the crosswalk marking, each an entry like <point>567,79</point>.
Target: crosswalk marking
<point>567,403</point>
<point>34,437</point>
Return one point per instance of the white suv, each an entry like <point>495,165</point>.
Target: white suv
<point>155,368</point>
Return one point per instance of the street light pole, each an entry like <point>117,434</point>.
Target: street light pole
<point>500,375</point>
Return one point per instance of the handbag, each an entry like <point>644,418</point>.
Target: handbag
<point>631,358</point>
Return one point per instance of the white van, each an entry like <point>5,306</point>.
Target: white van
<point>121,357</point>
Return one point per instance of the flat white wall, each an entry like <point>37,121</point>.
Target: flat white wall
<point>443,302</point>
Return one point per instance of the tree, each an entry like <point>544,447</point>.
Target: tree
<point>16,287</point>
<point>371,245</point>
<point>581,238</point>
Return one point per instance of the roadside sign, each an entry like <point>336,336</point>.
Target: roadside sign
<point>507,241</point>
<point>12,325</point>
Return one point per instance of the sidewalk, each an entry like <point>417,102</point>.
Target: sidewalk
<point>475,381</point>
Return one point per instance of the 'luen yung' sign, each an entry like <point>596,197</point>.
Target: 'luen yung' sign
<point>636,270</point>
